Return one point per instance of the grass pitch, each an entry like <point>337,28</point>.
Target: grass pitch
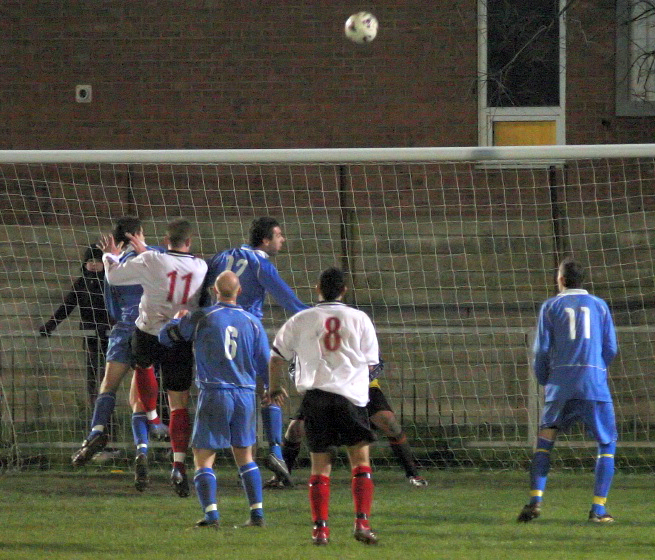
<point>468,515</point>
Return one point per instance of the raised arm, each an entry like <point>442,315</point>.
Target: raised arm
<point>182,327</point>
<point>279,289</point>
<point>126,273</point>
<point>64,310</point>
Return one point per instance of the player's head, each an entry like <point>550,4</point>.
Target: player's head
<point>92,261</point>
<point>266,235</point>
<point>227,286</point>
<point>570,274</point>
<point>331,284</point>
<point>124,225</point>
<point>178,234</point>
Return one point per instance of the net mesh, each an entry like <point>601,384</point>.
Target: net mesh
<point>450,258</point>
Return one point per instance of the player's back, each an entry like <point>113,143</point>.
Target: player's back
<point>334,344</point>
<point>582,343</point>
<point>247,264</point>
<point>172,281</point>
<point>231,347</point>
<point>122,302</point>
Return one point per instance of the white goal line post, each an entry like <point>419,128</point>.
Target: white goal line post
<point>334,155</point>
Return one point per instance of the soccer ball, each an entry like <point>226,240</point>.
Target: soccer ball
<point>361,27</point>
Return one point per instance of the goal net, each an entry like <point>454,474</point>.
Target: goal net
<point>451,251</point>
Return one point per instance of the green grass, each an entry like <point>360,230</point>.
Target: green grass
<point>463,514</point>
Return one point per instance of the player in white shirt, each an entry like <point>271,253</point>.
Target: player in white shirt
<point>172,282</point>
<point>122,303</point>
<point>333,347</point>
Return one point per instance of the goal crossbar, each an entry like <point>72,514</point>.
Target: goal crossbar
<point>333,155</point>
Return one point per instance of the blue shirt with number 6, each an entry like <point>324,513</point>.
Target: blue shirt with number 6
<point>230,346</point>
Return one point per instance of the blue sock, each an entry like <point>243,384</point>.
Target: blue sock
<point>272,424</point>
<point>251,479</point>
<point>205,483</point>
<point>140,431</point>
<point>539,469</point>
<point>102,410</point>
<point>604,475</point>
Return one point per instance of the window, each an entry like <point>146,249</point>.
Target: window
<point>521,72</point>
<point>635,58</point>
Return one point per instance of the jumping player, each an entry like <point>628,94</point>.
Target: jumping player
<point>258,276</point>
<point>171,282</point>
<point>122,304</point>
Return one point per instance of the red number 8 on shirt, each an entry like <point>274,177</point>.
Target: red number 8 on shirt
<point>332,338</point>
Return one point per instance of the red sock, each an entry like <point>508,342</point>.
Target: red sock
<point>362,489</point>
<point>319,497</point>
<point>180,432</point>
<point>147,387</point>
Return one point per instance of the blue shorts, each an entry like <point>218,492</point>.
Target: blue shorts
<point>119,348</point>
<point>225,418</point>
<point>596,416</point>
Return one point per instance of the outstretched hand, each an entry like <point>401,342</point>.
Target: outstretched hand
<point>138,245</point>
<point>108,245</point>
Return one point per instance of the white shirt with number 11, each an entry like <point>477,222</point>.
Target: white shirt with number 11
<point>171,282</point>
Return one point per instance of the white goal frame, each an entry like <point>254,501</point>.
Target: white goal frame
<point>498,158</point>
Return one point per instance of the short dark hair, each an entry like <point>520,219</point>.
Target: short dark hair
<point>126,224</point>
<point>572,273</point>
<point>178,231</point>
<point>332,283</point>
<point>262,228</point>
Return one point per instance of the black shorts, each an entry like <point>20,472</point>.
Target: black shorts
<point>176,362</point>
<point>377,402</point>
<point>332,420</point>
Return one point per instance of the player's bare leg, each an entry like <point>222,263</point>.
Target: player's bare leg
<point>205,483</point>
<point>141,440</point>
<point>362,490</point>
<point>251,479</point>
<point>180,431</point>
<point>386,422</point>
<point>102,410</point>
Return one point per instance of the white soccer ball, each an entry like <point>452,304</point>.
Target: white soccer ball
<point>361,27</point>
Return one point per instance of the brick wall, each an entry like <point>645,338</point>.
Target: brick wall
<point>590,70</point>
<point>212,74</point>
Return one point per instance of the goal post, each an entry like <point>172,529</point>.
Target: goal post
<point>450,250</point>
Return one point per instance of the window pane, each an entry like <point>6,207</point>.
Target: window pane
<point>525,133</point>
<point>642,47</point>
<point>522,53</point>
